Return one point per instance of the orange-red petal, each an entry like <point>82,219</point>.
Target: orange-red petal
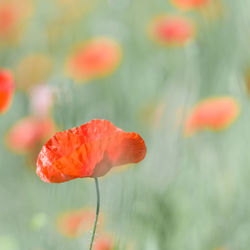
<point>104,242</point>
<point>75,223</point>
<point>90,150</point>
<point>93,59</point>
<point>14,15</point>
<point>6,89</point>
<point>213,113</point>
<point>190,4</point>
<point>172,30</point>
<point>28,132</point>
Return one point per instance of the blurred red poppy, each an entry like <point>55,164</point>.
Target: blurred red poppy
<point>14,14</point>
<point>90,150</point>
<point>104,242</point>
<point>27,133</point>
<point>172,30</point>
<point>212,114</point>
<point>190,4</point>
<point>74,223</point>
<point>93,59</point>
<point>9,15</point>
<point>6,89</point>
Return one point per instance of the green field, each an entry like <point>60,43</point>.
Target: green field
<point>189,193</point>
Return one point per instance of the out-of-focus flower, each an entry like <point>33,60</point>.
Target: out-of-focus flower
<point>172,30</point>
<point>104,242</point>
<point>152,113</point>
<point>29,132</point>
<point>33,69</point>
<point>38,221</point>
<point>96,58</point>
<point>190,4</point>
<point>75,223</point>
<point>9,16</point>
<point>90,150</point>
<point>6,89</point>
<point>41,99</point>
<point>209,9</point>
<point>14,15</point>
<point>212,114</point>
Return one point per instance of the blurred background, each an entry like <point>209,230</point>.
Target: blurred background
<point>146,66</point>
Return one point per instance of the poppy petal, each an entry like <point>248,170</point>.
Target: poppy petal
<point>6,89</point>
<point>29,132</point>
<point>96,58</point>
<point>213,113</point>
<point>104,242</point>
<point>172,30</point>
<point>74,223</point>
<point>190,4</point>
<point>90,150</point>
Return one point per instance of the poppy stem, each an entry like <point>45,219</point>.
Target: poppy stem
<point>97,212</point>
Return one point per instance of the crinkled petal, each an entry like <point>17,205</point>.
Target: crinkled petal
<point>88,151</point>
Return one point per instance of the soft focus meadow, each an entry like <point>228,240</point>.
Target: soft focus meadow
<point>175,71</point>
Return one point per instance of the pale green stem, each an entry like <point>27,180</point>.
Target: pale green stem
<point>97,213</point>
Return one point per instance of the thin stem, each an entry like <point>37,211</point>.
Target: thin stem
<point>97,213</point>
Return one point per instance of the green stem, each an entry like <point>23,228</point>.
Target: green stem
<point>97,212</point>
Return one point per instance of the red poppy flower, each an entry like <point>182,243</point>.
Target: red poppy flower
<point>13,15</point>
<point>104,242</point>
<point>74,223</point>
<point>9,15</point>
<point>27,133</point>
<point>6,89</point>
<point>93,59</point>
<point>90,150</point>
<point>213,113</point>
<point>190,4</point>
<point>172,30</point>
